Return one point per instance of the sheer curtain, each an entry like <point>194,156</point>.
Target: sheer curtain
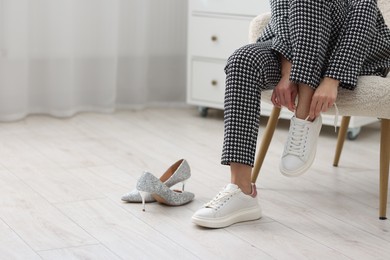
<point>61,57</point>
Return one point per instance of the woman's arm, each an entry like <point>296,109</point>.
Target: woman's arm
<point>348,55</point>
<point>351,48</point>
<point>279,23</point>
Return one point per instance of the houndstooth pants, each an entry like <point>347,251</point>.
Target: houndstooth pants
<point>249,70</point>
<point>310,40</point>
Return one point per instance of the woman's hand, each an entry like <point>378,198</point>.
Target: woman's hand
<point>324,97</point>
<point>285,93</point>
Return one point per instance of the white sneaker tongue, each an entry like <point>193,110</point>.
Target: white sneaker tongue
<point>231,187</point>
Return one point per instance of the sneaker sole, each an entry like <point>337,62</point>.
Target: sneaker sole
<point>253,213</point>
<point>299,171</point>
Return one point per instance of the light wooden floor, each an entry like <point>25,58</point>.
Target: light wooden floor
<point>61,182</point>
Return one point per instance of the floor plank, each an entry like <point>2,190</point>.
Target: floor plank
<point>35,220</point>
<point>95,252</point>
<point>127,236</point>
<point>12,246</point>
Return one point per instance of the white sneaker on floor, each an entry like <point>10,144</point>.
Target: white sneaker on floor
<point>300,149</point>
<point>230,206</point>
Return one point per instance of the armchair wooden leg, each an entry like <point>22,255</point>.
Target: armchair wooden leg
<point>384,167</point>
<point>266,140</point>
<point>341,138</point>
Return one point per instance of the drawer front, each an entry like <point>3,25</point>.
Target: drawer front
<point>208,81</point>
<point>216,37</point>
<point>231,7</point>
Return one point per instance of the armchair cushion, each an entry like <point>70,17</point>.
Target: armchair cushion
<point>257,25</point>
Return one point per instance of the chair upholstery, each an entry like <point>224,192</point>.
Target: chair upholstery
<point>371,98</point>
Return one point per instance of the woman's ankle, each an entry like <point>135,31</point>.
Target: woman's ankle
<point>301,114</point>
<point>241,176</point>
<point>305,94</point>
<point>245,188</point>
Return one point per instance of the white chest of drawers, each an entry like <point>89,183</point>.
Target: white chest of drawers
<point>215,29</point>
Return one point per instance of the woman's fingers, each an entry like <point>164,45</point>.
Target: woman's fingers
<point>324,97</point>
<point>319,105</point>
<point>274,99</point>
<point>284,94</point>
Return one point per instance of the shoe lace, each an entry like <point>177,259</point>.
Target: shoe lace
<point>299,131</point>
<point>297,136</point>
<point>220,199</point>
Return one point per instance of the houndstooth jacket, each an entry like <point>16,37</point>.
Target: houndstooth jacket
<point>341,39</point>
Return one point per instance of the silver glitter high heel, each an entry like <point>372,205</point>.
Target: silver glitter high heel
<point>148,183</point>
<point>178,172</point>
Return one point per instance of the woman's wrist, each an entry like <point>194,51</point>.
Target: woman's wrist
<point>285,65</point>
<point>331,81</point>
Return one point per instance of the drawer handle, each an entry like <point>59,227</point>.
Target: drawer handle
<point>214,82</point>
<point>214,38</point>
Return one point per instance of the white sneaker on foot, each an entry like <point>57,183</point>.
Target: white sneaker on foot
<point>300,149</point>
<point>230,206</point>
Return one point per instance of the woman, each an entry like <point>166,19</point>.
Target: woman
<point>307,51</point>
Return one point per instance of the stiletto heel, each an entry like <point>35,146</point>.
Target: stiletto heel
<point>183,184</point>
<point>150,184</point>
<point>143,195</point>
